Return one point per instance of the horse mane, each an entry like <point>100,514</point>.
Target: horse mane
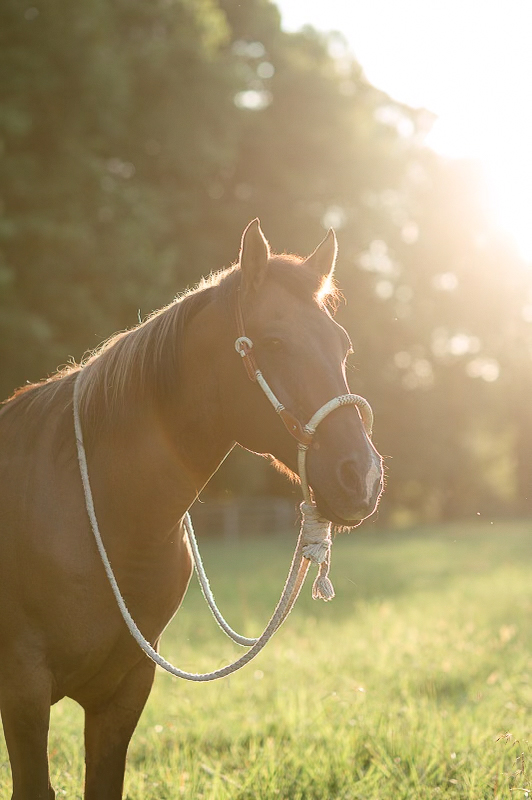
<point>148,357</point>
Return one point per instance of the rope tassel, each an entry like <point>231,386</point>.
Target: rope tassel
<point>322,588</point>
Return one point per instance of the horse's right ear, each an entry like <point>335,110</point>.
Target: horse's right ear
<point>254,254</point>
<point>322,261</point>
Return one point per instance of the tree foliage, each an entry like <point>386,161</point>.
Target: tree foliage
<point>139,138</point>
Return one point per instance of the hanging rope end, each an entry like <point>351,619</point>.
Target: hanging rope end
<point>322,589</point>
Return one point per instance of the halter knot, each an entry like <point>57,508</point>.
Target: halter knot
<point>316,538</point>
<point>315,531</point>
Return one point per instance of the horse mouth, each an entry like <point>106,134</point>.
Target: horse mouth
<point>339,521</point>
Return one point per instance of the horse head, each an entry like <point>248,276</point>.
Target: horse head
<point>301,351</point>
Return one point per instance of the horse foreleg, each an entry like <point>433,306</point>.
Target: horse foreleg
<point>108,731</point>
<point>25,697</point>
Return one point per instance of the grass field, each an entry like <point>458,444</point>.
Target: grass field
<point>415,682</point>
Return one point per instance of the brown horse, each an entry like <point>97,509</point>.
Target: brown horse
<point>160,406</point>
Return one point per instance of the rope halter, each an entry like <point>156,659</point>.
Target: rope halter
<point>315,529</point>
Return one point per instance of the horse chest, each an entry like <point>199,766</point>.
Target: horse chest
<point>155,581</point>
<point>101,650</point>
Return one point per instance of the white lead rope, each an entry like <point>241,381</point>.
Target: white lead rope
<point>313,544</point>
<point>294,581</point>
<point>207,591</point>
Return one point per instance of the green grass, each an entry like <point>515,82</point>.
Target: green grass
<point>415,682</point>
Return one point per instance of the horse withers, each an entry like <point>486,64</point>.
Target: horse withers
<point>160,407</point>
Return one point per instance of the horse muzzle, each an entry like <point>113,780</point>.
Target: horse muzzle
<point>349,490</point>
<point>354,493</point>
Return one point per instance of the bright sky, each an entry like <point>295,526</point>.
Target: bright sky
<point>469,62</point>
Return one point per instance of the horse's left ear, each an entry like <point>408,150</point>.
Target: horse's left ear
<point>254,254</point>
<point>323,259</point>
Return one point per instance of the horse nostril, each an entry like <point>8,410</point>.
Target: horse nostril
<point>349,477</point>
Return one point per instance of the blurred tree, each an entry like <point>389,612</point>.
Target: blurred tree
<point>138,140</point>
<point>112,119</point>
<point>450,294</point>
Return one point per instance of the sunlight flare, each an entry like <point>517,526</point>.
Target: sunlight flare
<point>468,62</point>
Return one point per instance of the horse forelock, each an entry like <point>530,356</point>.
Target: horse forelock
<point>290,272</point>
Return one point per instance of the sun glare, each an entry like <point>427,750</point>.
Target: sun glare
<point>511,198</point>
<point>469,62</point>
<point>505,155</point>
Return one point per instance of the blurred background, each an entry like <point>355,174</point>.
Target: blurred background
<point>138,139</point>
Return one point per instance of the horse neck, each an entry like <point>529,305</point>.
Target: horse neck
<point>158,451</point>
<point>192,414</point>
